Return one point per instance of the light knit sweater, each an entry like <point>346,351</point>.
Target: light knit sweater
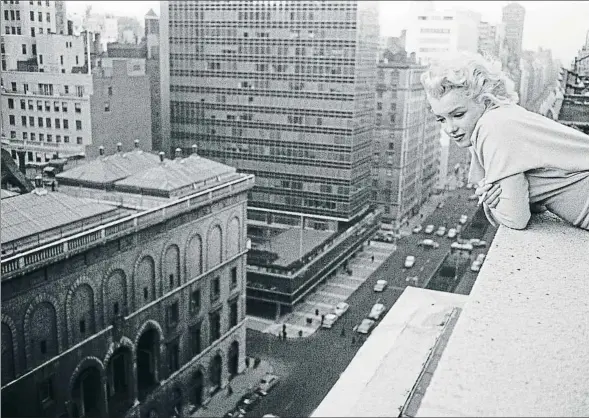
<point>536,161</point>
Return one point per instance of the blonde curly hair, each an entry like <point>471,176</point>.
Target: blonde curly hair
<point>480,77</point>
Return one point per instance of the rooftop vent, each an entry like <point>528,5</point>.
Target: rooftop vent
<point>39,188</point>
<point>178,153</point>
<point>101,150</point>
<point>119,147</point>
<point>195,149</point>
<point>136,142</point>
<point>162,155</point>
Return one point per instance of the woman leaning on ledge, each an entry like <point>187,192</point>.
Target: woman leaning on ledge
<point>523,162</point>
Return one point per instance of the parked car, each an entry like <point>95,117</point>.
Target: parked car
<point>365,326</point>
<point>248,400</point>
<point>376,311</point>
<point>452,233</point>
<point>475,266</point>
<point>441,231</point>
<point>341,308</point>
<point>236,413</point>
<point>409,261</point>
<point>461,246</point>
<point>380,285</point>
<point>473,197</point>
<point>429,229</point>
<point>463,219</point>
<point>270,416</point>
<point>429,243</point>
<point>475,242</point>
<point>481,257</point>
<point>417,229</point>
<point>329,320</point>
<point>269,381</point>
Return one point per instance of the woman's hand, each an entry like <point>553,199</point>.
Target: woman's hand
<point>488,194</point>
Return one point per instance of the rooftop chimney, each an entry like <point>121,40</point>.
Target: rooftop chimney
<point>39,189</point>
<point>195,149</point>
<point>119,147</point>
<point>162,155</point>
<point>136,142</point>
<point>178,153</point>
<point>101,150</point>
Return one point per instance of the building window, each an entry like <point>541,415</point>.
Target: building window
<point>39,122</point>
<point>32,136</point>
<point>11,120</point>
<point>24,49</point>
<point>215,325</point>
<point>45,391</point>
<point>233,277</point>
<point>78,125</point>
<point>145,294</point>
<point>40,16</point>
<point>33,32</point>
<point>66,124</point>
<point>79,89</point>
<point>79,140</point>
<point>48,122</point>
<point>215,289</point>
<point>23,104</point>
<point>195,340</point>
<point>173,356</point>
<point>233,313</point>
<point>57,123</point>
<point>39,106</point>
<point>41,137</point>
<point>57,138</point>
<point>48,17</point>
<point>82,326</point>
<point>66,139</point>
<point>11,103</point>
<point>172,315</point>
<point>61,59</point>
<point>23,121</point>
<point>49,137</point>
<point>24,135</point>
<point>78,107</point>
<point>64,106</point>
<point>110,91</point>
<point>47,105</point>
<point>66,89</point>
<point>194,307</point>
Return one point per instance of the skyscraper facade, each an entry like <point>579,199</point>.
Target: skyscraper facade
<point>513,18</point>
<point>280,89</point>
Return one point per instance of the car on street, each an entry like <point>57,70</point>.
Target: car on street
<point>475,242</point>
<point>430,243</point>
<point>365,326</point>
<point>452,233</point>
<point>329,320</point>
<point>475,266</point>
<point>270,416</point>
<point>269,381</point>
<point>417,229</point>
<point>341,308</point>
<point>473,197</point>
<point>441,231</point>
<point>380,285</point>
<point>429,229</point>
<point>247,401</point>
<point>409,261</point>
<point>412,279</point>
<point>481,257</point>
<point>466,246</point>
<point>376,311</point>
<point>463,219</point>
<point>236,413</point>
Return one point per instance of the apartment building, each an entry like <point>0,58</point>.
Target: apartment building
<point>433,33</point>
<point>46,89</point>
<point>283,90</point>
<point>406,150</point>
<point>132,308</point>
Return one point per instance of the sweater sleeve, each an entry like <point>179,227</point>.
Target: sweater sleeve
<point>513,209</point>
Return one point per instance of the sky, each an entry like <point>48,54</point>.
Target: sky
<point>557,25</point>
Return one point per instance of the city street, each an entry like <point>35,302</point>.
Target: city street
<point>310,366</point>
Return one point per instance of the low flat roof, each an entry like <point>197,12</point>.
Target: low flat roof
<point>30,214</point>
<point>287,245</point>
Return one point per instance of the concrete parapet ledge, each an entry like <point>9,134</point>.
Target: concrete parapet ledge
<point>521,344</point>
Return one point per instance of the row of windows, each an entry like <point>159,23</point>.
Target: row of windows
<point>336,43</point>
<point>15,15</point>
<point>47,107</point>
<point>321,93</point>
<point>46,89</point>
<point>32,136</point>
<point>14,30</point>
<point>282,76</point>
<point>48,124</point>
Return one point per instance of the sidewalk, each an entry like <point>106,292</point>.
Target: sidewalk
<point>306,316</point>
<point>221,403</point>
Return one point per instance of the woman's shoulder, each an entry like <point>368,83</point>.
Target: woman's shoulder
<point>502,114</point>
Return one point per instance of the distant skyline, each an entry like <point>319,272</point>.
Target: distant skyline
<point>560,26</point>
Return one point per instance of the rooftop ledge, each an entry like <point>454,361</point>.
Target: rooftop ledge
<point>520,345</point>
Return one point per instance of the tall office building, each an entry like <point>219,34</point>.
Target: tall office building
<point>406,153</point>
<point>434,33</point>
<point>513,18</point>
<point>283,90</point>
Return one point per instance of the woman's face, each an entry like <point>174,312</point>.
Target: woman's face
<point>458,115</point>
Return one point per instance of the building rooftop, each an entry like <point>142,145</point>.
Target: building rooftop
<point>289,246</point>
<point>31,213</point>
<point>4,194</point>
<point>107,169</point>
<point>177,174</point>
<point>518,347</point>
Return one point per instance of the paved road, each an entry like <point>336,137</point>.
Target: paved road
<point>310,367</point>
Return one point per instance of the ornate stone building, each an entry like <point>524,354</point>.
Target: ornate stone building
<point>123,291</point>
